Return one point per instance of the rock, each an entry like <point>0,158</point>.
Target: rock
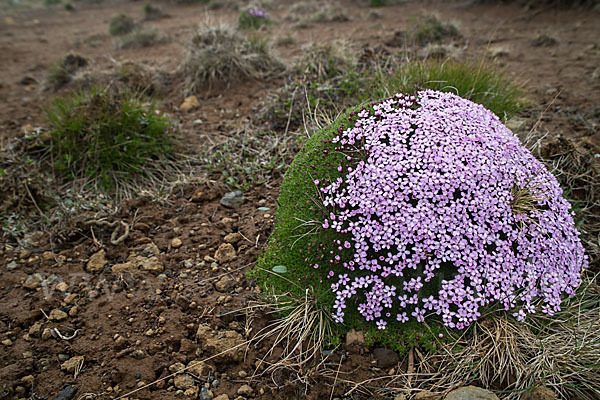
<point>176,367</point>
<point>151,264</point>
<point>183,381</point>
<point>471,393</point>
<point>96,262</point>
<point>225,253</point>
<point>205,394</point>
<point>245,390</point>
<point>221,397</point>
<point>498,52</point>
<point>46,334</point>
<point>74,311</point>
<point>221,341</point>
<point>7,342</point>
<point>33,281</point>
<point>192,393</point>
<point>233,237</point>
<point>199,368</point>
<point>400,397</point>
<point>138,354</point>
<point>72,364</point>
<point>35,329</point>
<point>541,393</point>
<point>386,358</point>
<point>120,268</point>
<point>427,395</point>
<point>233,199</point>
<point>62,286</point>
<point>353,336</point>
<point>515,124</point>
<point>176,243</point>
<point>57,315</point>
<point>11,265</point>
<point>67,393</point>
<point>186,346</point>
<point>223,284</point>
<point>189,103</point>
<point>28,380</point>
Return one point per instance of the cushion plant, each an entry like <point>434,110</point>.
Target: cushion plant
<point>421,208</point>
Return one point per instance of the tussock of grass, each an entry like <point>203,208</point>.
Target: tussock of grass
<point>560,352</point>
<point>576,165</point>
<point>221,56</point>
<point>141,37</point>
<point>478,82</point>
<point>106,138</point>
<point>62,72</point>
<point>121,25</point>
<point>151,13</point>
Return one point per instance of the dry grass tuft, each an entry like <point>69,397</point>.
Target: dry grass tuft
<point>576,165</point>
<point>220,56</point>
<point>299,334</point>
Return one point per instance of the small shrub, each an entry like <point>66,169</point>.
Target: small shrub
<point>253,18</point>
<point>104,137</point>
<point>62,72</point>
<point>220,55</point>
<point>121,25</point>
<point>49,3</point>
<point>421,208</point>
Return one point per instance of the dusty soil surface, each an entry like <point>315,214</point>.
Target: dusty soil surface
<point>109,319</point>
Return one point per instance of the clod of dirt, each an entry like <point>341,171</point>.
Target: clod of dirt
<point>183,382</point>
<point>245,390</point>
<point>225,253</point>
<point>72,364</point>
<point>386,358</point>
<point>189,103</point>
<point>97,262</point>
<point>33,281</point>
<point>471,393</point>
<point>230,343</point>
<point>57,315</point>
<point>233,199</point>
<point>541,393</point>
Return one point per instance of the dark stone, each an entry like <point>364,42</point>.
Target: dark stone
<point>233,199</point>
<point>386,358</point>
<point>66,393</point>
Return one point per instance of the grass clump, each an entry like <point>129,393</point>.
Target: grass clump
<point>221,56</point>
<point>62,72</point>
<point>383,3</point>
<point>478,82</point>
<point>107,138</point>
<point>141,37</point>
<point>121,25</point>
<point>432,30</point>
<point>151,13</point>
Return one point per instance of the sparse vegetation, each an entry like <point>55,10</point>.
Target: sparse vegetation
<point>141,37</point>
<point>221,56</point>
<point>106,138</point>
<point>151,13</point>
<point>121,25</point>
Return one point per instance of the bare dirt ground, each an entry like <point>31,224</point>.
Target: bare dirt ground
<point>127,313</point>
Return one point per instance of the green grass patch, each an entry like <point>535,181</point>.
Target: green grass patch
<point>105,137</point>
<point>479,82</point>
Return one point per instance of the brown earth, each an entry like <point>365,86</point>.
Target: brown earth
<point>139,312</point>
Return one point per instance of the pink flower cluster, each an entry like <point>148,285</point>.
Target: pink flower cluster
<point>257,12</point>
<point>426,197</point>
